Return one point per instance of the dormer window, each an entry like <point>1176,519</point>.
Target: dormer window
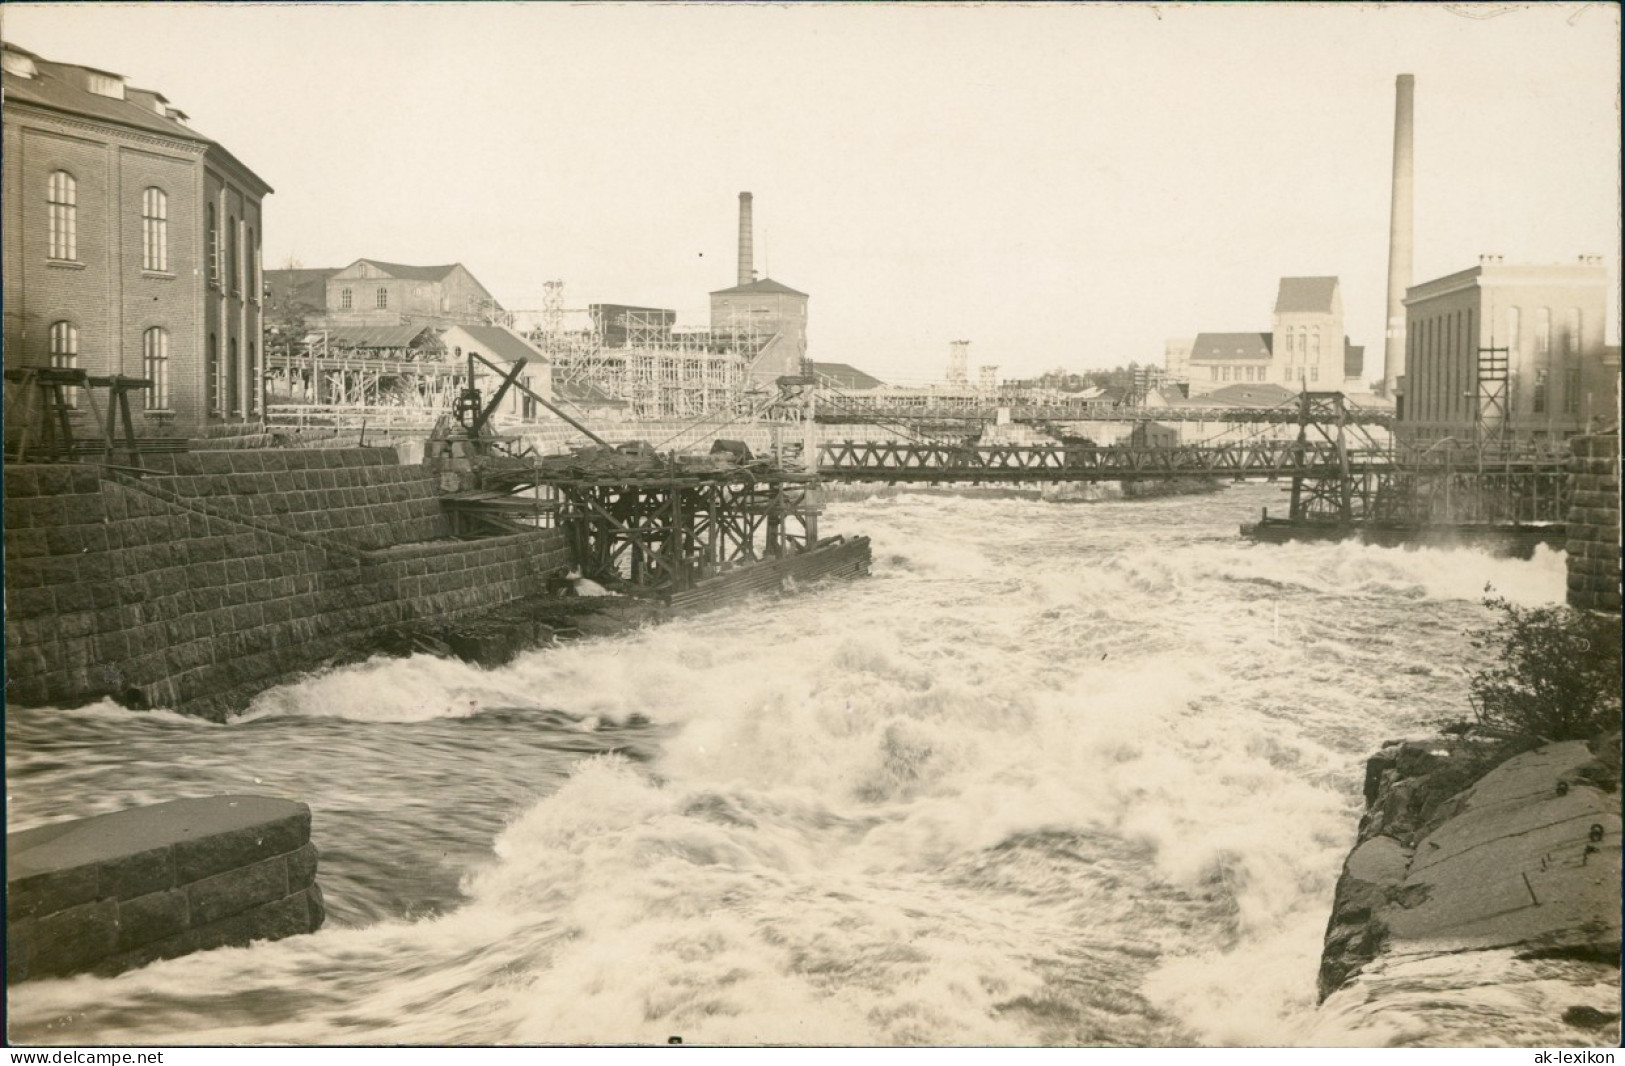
<point>18,65</point>
<point>109,85</point>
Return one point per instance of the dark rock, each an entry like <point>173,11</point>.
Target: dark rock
<point>1589,1017</point>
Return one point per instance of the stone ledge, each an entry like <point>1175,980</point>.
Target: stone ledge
<point>106,893</point>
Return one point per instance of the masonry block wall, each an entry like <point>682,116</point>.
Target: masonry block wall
<point>1594,524</point>
<point>197,590</point>
<point>116,891</point>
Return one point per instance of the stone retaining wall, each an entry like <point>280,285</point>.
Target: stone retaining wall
<point>116,891</point>
<point>198,590</point>
<point>1593,526</point>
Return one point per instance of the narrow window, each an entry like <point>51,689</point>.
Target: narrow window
<point>256,282</point>
<point>1543,331</point>
<point>1571,391</point>
<point>213,245</point>
<point>1314,373</point>
<point>62,198</point>
<point>383,298</point>
<point>1540,390</point>
<point>155,362</point>
<point>154,229</point>
<point>346,300</point>
<point>1573,331</point>
<point>211,376</point>
<point>231,254</point>
<point>1513,339</point>
<point>254,378</point>
<point>64,340</point>
<point>234,399</point>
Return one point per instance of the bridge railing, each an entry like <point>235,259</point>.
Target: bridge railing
<point>897,461</point>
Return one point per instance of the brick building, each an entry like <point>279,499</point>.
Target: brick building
<point>1538,333</point>
<point>768,318</point>
<point>131,244</point>
<point>370,292</point>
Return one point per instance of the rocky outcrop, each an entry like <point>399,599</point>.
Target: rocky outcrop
<point>1524,858</point>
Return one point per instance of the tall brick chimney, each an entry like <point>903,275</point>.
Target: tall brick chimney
<point>747,270</point>
<point>1401,235</point>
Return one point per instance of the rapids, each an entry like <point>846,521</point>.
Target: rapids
<point>1056,774</point>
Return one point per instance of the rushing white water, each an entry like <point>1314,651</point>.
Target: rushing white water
<point>1057,773</point>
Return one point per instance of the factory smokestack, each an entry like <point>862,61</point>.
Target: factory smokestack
<point>747,269</point>
<point>1401,235</point>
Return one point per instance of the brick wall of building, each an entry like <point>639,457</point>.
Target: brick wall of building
<point>1594,524</point>
<point>199,590</point>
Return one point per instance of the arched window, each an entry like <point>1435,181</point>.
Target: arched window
<point>383,298</point>
<point>1314,346</point>
<point>211,376</point>
<point>155,364</point>
<point>154,229</point>
<point>346,299</point>
<point>64,342</point>
<point>62,198</point>
<point>213,248</point>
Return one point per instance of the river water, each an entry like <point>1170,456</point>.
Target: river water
<point>1057,773</point>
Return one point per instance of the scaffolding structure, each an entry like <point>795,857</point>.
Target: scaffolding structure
<point>317,372</point>
<point>659,371</point>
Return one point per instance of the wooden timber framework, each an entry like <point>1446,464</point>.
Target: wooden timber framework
<point>685,530</point>
<point>665,530</point>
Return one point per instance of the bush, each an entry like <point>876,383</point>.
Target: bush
<point>1556,674</point>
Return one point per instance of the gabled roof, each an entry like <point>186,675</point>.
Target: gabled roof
<point>846,376</point>
<point>765,285</point>
<point>1306,294</point>
<point>1228,347</point>
<point>360,337</point>
<point>1257,394</point>
<point>410,273</point>
<point>500,342</point>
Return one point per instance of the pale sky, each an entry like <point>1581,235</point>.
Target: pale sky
<point>1060,185</point>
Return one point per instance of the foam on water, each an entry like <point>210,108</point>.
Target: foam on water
<point>1055,774</point>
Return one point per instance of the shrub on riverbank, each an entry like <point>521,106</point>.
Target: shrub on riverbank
<point>1555,674</point>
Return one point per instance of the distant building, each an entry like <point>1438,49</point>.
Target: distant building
<point>1309,345</point>
<point>623,325</point>
<point>1306,348</point>
<point>765,317</point>
<point>131,244</point>
<point>1516,348</point>
<point>1176,359</point>
<point>1218,359</point>
<point>844,376</point>
<point>295,295</point>
<point>371,292</point>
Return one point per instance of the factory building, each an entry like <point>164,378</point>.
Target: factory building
<point>1508,351</point>
<point>131,245</point>
<point>764,317</point>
